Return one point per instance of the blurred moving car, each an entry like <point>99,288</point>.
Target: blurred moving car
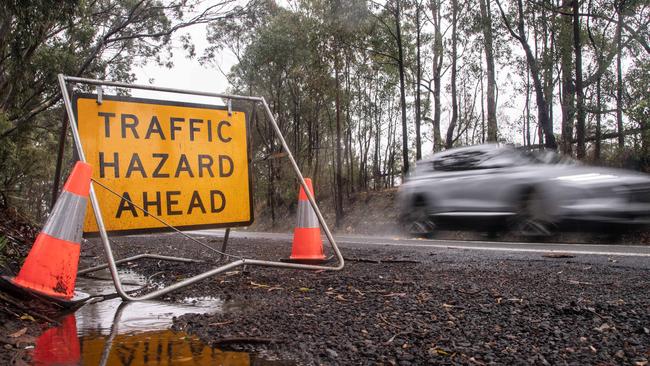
<point>532,193</point>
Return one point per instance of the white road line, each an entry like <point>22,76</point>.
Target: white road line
<point>498,249</point>
<point>455,244</point>
<point>470,242</point>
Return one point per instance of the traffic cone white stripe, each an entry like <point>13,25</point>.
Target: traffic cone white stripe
<point>67,218</point>
<point>306,216</point>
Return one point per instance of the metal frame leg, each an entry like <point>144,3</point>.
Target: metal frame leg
<point>224,245</point>
<point>138,257</point>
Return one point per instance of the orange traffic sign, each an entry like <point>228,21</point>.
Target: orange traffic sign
<point>187,164</point>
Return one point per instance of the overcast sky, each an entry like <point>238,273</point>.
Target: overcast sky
<point>187,73</point>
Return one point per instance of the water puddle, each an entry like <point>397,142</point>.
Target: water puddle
<point>113,332</point>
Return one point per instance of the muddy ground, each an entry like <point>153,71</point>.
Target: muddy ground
<point>411,306</point>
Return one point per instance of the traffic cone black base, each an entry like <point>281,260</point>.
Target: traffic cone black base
<point>307,261</point>
<point>78,299</point>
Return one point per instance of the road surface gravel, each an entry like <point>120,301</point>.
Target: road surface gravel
<point>411,306</point>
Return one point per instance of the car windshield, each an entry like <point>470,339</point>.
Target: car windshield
<point>491,158</point>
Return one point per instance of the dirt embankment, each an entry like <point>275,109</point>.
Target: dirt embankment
<point>20,321</point>
<point>368,213</point>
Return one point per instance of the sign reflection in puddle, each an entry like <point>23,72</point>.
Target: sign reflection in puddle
<point>113,332</point>
<point>62,346</point>
<point>155,348</point>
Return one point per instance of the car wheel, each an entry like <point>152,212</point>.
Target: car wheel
<point>531,219</point>
<point>418,222</point>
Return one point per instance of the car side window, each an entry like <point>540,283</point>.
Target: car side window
<point>475,159</point>
<point>462,160</point>
<point>500,159</point>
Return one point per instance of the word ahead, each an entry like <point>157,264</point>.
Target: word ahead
<point>184,163</point>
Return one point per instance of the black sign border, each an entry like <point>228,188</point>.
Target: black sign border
<point>77,96</point>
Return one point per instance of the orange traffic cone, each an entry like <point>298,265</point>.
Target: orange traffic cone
<point>50,268</point>
<point>60,345</point>
<point>307,243</point>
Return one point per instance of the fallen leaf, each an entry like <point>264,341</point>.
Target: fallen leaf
<point>399,294</point>
<point>604,327</point>
<point>574,282</point>
<point>304,289</point>
<point>359,292</point>
<point>558,255</point>
<point>27,317</point>
<point>441,352</point>
<point>18,333</point>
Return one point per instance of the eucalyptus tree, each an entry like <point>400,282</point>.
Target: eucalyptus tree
<point>486,27</point>
<point>436,66</point>
<point>99,39</point>
<point>449,140</point>
<point>518,32</point>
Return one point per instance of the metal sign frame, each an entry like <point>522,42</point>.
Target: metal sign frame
<point>112,263</point>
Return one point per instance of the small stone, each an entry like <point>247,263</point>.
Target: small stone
<point>620,354</point>
<point>603,328</point>
<point>332,353</point>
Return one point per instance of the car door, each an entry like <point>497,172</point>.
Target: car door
<point>477,182</point>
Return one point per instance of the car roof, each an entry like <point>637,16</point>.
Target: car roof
<point>477,148</point>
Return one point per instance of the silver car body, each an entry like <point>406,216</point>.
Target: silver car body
<point>492,181</point>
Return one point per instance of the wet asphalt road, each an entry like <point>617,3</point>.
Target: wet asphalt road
<point>414,302</point>
<point>634,256</point>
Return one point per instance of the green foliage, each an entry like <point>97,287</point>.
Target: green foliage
<point>638,96</point>
<point>96,39</point>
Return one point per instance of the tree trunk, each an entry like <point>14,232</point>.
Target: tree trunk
<point>437,73</point>
<point>542,104</point>
<point>599,106</point>
<point>454,55</point>
<point>402,89</point>
<point>483,129</point>
<point>577,48</point>
<point>527,124</point>
<point>418,77</point>
<point>486,20</point>
<point>339,167</point>
<point>568,90</point>
<point>619,89</point>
